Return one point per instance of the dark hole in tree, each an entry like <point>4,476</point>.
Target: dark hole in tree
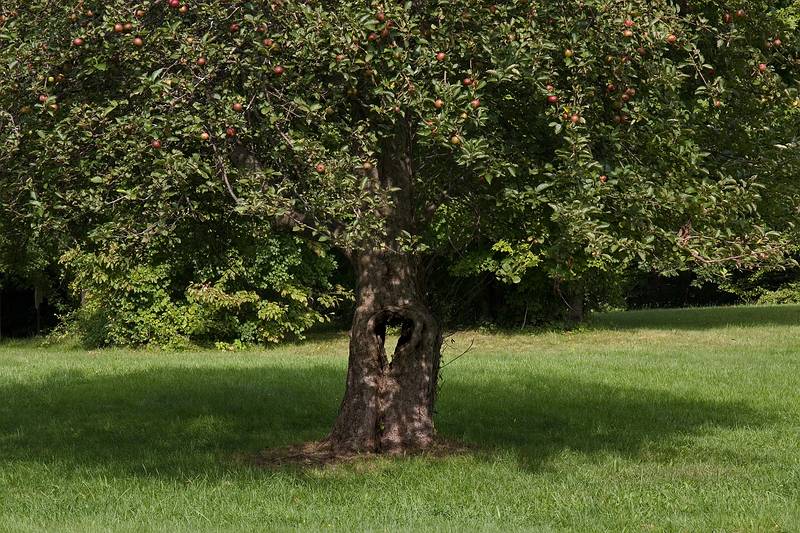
<point>394,326</point>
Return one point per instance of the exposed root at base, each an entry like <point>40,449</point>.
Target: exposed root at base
<point>322,454</point>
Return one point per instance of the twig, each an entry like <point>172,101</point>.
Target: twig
<point>469,349</point>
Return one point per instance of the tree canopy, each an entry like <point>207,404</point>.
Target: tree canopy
<point>600,131</point>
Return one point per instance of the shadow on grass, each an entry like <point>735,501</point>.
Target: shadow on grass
<point>700,318</point>
<point>178,422</point>
<point>549,415</point>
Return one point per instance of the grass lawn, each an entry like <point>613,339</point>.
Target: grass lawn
<point>661,420</point>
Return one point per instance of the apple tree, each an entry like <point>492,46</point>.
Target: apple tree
<point>576,134</point>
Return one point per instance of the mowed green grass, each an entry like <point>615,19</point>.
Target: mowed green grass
<point>662,420</point>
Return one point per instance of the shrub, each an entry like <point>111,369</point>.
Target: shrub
<point>244,294</point>
<point>789,294</point>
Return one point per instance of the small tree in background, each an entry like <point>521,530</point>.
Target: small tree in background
<point>574,135</point>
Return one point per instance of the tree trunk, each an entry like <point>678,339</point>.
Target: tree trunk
<point>388,404</point>
<point>576,296</point>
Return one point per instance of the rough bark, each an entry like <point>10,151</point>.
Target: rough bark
<point>388,404</point>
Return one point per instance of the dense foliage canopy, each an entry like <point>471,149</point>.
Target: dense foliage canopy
<point>572,138</point>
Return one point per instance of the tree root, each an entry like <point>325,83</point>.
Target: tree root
<point>323,454</point>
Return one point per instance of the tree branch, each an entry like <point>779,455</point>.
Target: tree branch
<point>290,217</point>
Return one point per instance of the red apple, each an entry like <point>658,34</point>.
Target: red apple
<point>552,99</point>
<point>468,81</point>
<point>205,136</point>
<point>672,38</point>
<point>741,13</point>
<point>201,61</point>
<point>42,98</point>
<point>627,33</point>
<point>139,13</point>
<point>230,132</point>
<point>762,67</point>
<point>268,42</point>
<point>441,56</point>
<point>237,107</point>
<point>77,41</point>
<point>476,103</point>
<point>372,37</point>
<point>438,103</point>
<point>278,70</point>
<point>603,178</point>
<point>137,41</point>
<point>128,26</point>
<point>629,23</point>
<point>320,168</point>
<point>155,144</point>
<point>234,27</point>
<point>174,4</point>
<point>777,42</point>
<point>119,28</point>
<point>727,18</point>
<point>575,119</point>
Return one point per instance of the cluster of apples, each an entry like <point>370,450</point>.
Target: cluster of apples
<point>119,27</point>
<point>176,4</point>
<point>385,32</point>
<point>728,18</point>
<point>230,132</point>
